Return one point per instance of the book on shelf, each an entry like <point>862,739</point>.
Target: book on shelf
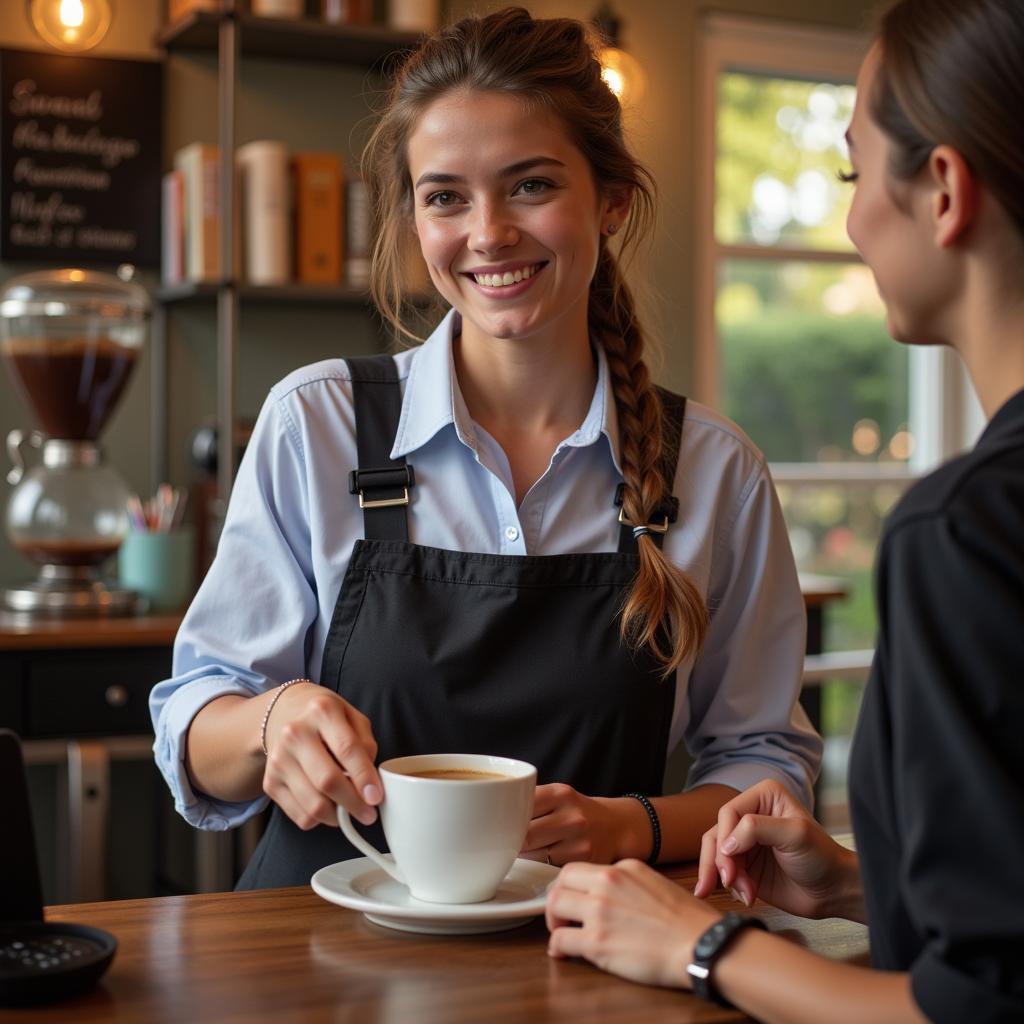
<point>172,228</point>
<point>414,15</point>
<point>347,12</point>
<point>278,8</point>
<point>265,212</point>
<point>319,217</point>
<point>179,8</point>
<point>357,233</point>
<point>198,165</point>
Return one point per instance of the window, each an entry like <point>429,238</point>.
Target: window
<point>793,340</point>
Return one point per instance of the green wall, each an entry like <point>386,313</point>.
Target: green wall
<point>317,106</point>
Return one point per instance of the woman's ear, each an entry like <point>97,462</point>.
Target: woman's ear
<point>616,206</point>
<point>954,203</point>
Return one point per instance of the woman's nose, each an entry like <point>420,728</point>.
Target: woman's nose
<point>492,229</point>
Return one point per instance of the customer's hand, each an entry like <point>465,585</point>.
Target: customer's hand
<point>626,919</point>
<point>569,826</point>
<point>321,754</point>
<point>767,845</point>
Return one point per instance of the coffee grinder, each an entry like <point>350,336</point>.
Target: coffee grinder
<point>70,339</point>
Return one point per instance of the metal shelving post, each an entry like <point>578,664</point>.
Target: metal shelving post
<point>227,293</point>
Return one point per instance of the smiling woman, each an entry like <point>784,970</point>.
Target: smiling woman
<point>535,532</point>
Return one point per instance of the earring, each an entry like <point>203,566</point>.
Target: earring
<point>612,228</point>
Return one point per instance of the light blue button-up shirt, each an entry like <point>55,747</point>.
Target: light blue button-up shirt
<point>262,614</point>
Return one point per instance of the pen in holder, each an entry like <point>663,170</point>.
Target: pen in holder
<point>157,557</point>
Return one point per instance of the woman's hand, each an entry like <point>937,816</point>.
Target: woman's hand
<point>626,919</point>
<point>320,755</point>
<point>569,826</point>
<point>767,845</point>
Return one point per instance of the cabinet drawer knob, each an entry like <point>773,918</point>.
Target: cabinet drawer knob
<point>116,695</point>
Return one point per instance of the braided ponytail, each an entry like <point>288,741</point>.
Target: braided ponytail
<point>664,610</point>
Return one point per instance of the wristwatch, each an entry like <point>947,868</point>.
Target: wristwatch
<point>709,947</point>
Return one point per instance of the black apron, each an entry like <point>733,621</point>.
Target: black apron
<point>461,652</point>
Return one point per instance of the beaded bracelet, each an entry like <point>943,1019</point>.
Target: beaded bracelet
<point>270,707</point>
<point>655,825</point>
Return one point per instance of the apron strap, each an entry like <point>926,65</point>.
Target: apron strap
<point>673,413</point>
<point>382,483</point>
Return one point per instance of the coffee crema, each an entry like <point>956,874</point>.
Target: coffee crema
<point>458,774</point>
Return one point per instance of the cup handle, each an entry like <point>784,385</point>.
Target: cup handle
<point>350,833</point>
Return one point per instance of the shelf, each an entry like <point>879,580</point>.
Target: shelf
<point>291,39</point>
<point>274,295</point>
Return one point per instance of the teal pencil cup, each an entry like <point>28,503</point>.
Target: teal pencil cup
<point>159,566</point>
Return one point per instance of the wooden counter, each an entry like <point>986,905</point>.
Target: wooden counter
<point>21,633</point>
<point>286,955</point>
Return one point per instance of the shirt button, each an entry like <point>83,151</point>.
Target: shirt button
<point>511,533</point>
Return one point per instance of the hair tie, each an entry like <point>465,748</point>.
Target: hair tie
<point>639,531</point>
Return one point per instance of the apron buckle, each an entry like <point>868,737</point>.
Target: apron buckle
<point>389,502</point>
<point>387,478</point>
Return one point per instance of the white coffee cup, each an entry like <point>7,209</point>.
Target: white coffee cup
<point>452,839</point>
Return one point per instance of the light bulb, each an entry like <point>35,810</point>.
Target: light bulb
<point>70,25</point>
<point>622,74</point>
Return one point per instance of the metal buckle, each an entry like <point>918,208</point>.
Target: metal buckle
<point>653,527</point>
<point>389,502</point>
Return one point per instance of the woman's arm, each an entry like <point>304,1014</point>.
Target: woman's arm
<point>743,721</point>
<point>631,921</point>
<point>246,631</point>
<point>778,982</point>
<point>320,753</point>
<point>569,826</point>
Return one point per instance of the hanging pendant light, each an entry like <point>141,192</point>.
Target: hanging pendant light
<point>620,70</point>
<point>70,25</point>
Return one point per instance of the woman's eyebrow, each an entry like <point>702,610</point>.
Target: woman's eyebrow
<point>529,164</point>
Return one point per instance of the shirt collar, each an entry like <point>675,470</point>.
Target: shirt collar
<point>433,399</point>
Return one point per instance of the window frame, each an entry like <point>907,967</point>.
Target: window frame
<point>943,412</point>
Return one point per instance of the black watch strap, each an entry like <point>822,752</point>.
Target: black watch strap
<point>710,946</point>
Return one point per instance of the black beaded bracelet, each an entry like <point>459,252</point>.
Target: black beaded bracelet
<point>655,824</point>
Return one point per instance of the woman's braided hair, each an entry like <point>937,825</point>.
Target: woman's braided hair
<point>550,64</point>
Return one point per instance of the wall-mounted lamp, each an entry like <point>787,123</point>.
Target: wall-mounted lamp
<point>622,72</point>
<point>70,25</point>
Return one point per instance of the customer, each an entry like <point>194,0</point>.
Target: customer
<point>504,609</point>
<point>937,769</point>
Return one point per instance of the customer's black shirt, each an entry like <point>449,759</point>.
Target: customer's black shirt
<point>937,768</point>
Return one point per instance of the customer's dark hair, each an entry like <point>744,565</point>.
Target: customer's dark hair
<point>952,72</point>
<point>550,65</point>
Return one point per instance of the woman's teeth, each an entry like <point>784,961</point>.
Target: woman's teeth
<point>509,277</point>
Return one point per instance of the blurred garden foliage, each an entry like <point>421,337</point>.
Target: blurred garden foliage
<point>806,366</point>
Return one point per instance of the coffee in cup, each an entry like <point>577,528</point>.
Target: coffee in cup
<point>454,823</point>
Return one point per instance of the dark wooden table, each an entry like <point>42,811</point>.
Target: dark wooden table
<point>286,955</point>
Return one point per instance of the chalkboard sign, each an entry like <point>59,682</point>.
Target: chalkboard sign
<point>79,159</point>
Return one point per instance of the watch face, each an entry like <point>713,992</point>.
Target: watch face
<point>709,942</point>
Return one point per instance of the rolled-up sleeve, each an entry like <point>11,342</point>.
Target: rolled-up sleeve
<point>745,721</point>
<point>246,629</point>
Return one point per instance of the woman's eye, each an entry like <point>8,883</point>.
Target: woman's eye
<point>533,186</point>
<point>442,199</point>
<point>847,177</point>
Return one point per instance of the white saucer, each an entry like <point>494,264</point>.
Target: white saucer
<point>360,885</point>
